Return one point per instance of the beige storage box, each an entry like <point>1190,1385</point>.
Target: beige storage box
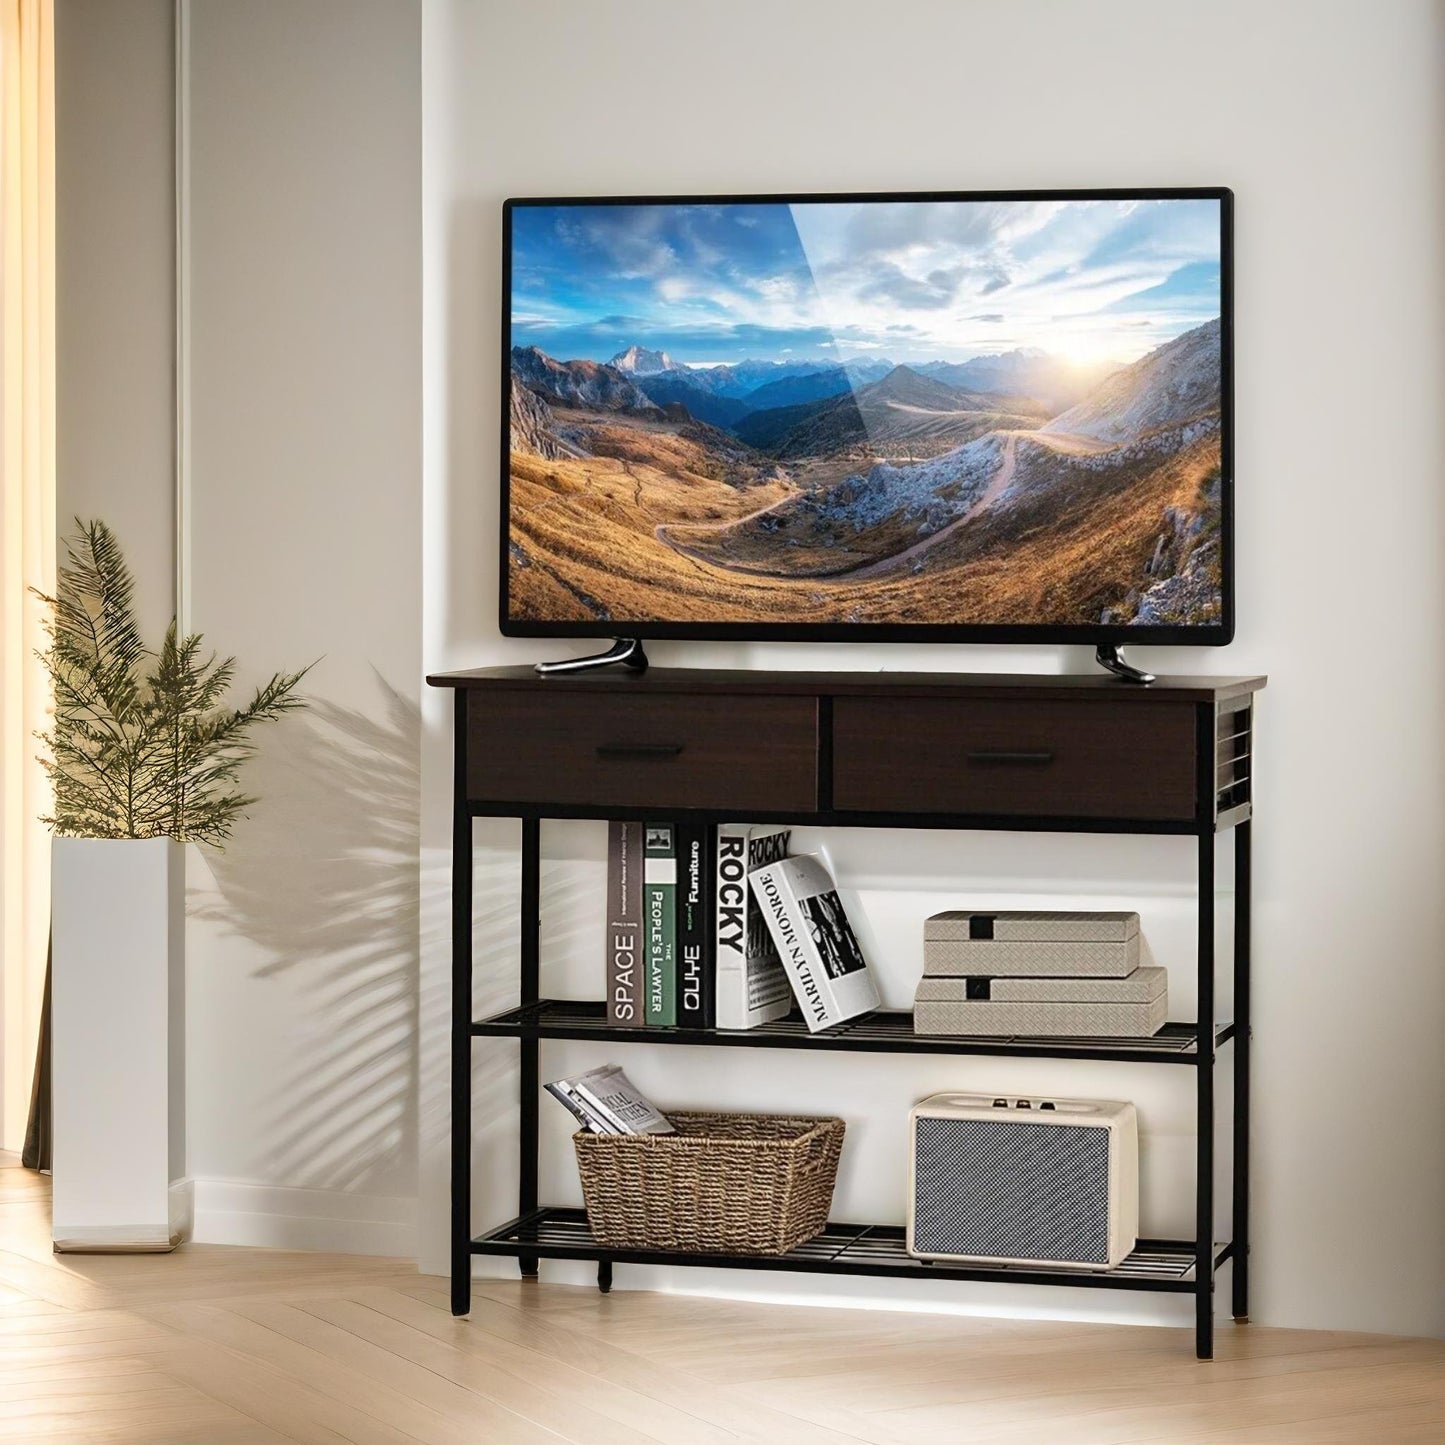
<point>1031,926</point>
<point>1132,1007</point>
<point>1032,1181</point>
<point>1031,945</point>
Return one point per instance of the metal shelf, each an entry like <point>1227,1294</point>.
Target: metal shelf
<point>884,1031</point>
<point>1165,1265</point>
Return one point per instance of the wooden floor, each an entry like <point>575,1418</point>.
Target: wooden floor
<point>223,1346</point>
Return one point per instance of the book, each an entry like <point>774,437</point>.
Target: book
<point>696,1005</point>
<point>585,1113</point>
<point>818,948</point>
<point>619,1101</point>
<point>626,946</point>
<point>751,986</point>
<point>660,908</point>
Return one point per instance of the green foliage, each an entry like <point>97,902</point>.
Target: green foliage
<point>142,744</point>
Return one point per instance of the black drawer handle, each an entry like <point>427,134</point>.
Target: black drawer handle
<point>638,750</point>
<point>986,759</point>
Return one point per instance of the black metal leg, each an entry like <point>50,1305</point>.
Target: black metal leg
<point>1204,1169</point>
<point>604,1275</point>
<point>461,1255</point>
<point>530,1082</point>
<point>1242,887</point>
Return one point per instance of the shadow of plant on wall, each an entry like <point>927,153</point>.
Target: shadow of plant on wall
<point>323,879</point>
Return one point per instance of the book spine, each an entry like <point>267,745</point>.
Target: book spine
<point>769,995</point>
<point>591,1117</point>
<point>661,906</point>
<point>730,928</point>
<point>565,1099</point>
<point>626,945</point>
<point>696,1003</point>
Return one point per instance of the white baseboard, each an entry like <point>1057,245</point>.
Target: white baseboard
<point>332,1221</point>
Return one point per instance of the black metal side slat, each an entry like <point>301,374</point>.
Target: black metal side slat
<point>1233,759</point>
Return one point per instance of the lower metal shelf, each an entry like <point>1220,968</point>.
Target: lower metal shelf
<point>860,1249</point>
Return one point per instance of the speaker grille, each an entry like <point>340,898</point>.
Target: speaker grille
<point>1012,1190</point>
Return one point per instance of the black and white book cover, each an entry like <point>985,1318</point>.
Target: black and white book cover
<point>752,988</point>
<point>818,948</point>
<point>696,1003</point>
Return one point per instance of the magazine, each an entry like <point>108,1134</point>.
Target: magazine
<point>610,1103</point>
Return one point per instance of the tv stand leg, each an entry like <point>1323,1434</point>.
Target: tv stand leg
<point>1110,657</point>
<point>626,652</point>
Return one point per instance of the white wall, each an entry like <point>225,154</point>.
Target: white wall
<point>1325,119</point>
<point>115,282</point>
<point>305,503</point>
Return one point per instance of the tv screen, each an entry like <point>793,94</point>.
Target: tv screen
<point>963,417</point>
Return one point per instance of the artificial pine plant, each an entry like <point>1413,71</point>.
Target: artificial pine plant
<point>143,744</point>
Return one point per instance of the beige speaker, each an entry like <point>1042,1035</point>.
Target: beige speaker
<point>1023,1180</point>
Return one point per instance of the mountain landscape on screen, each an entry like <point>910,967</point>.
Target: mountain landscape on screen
<point>764,415</point>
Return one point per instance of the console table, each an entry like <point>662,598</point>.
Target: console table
<point>1084,754</point>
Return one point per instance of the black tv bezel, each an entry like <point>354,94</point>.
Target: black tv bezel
<point>1212,635</point>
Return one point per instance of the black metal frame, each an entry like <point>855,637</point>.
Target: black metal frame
<point>538,1232</point>
<point>1216,635</point>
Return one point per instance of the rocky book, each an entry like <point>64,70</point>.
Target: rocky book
<point>752,988</point>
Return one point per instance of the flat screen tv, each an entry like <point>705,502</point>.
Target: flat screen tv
<point>964,417</point>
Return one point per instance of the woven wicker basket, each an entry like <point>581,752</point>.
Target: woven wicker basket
<point>724,1183</point>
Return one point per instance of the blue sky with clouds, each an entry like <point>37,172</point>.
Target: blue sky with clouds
<point>910,281</point>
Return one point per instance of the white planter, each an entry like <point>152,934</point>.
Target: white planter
<point>118,1044</point>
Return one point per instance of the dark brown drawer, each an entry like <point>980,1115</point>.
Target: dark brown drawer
<point>736,754</point>
<point>1042,759</point>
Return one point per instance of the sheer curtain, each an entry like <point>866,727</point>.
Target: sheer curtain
<point>27,530</point>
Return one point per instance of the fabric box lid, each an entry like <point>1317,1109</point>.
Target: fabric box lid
<point>1030,927</point>
<point>995,958</point>
<point>1142,986</point>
